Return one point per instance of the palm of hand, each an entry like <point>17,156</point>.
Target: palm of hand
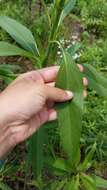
<point>30,108</point>
<point>26,104</point>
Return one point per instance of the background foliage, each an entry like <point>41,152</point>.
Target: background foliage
<point>87,25</point>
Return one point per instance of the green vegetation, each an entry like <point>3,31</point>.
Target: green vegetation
<point>71,153</point>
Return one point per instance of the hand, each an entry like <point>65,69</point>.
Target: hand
<point>26,104</point>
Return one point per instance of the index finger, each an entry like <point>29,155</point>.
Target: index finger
<point>49,74</point>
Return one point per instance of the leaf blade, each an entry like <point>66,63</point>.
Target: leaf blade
<point>96,80</point>
<point>19,33</point>
<point>67,9</point>
<point>88,182</point>
<point>88,159</point>
<point>100,182</point>
<point>35,157</point>
<point>73,184</point>
<point>70,113</point>
<point>7,49</point>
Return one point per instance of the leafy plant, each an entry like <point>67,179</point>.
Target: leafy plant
<point>93,15</point>
<point>7,72</point>
<point>70,168</point>
<point>4,186</point>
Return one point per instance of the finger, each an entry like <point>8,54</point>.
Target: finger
<point>47,115</point>
<point>51,84</point>
<point>49,74</point>
<point>49,104</point>
<point>32,75</point>
<point>44,116</point>
<point>85,93</point>
<point>81,68</point>
<point>43,75</point>
<point>52,115</point>
<point>85,82</point>
<point>57,95</point>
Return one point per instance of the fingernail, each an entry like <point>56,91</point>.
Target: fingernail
<point>70,94</point>
<point>52,115</point>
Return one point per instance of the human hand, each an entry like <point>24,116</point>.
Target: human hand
<point>26,104</point>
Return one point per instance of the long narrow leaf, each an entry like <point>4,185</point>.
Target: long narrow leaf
<point>4,186</point>
<point>58,163</point>
<point>19,33</point>
<point>35,152</point>
<point>67,9</point>
<point>10,67</point>
<point>88,159</point>
<point>7,49</point>
<point>96,80</point>
<point>57,185</point>
<point>73,184</point>
<point>100,182</point>
<point>88,182</point>
<point>70,113</point>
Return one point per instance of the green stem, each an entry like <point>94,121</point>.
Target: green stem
<point>53,34</point>
<point>46,11</point>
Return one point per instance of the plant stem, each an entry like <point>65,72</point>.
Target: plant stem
<point>46,11</point>
<point>53,34</point>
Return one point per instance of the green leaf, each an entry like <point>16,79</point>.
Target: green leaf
<point>70,113</point>
<point>100,182</point>
<point>73,48</point>
<point>10,67</point>
<point>88,159</point>
<point>88,182</point>
<point>4,186</point>
<point>19,33</point>
<point>58,163</point>
<point>60,185</point>
<point>7,49</point>
<point>96,80</point>
<point>53,185</point>
<point>73,184</point>
<point>67,9</point>
<point>7,77</point>
<point>61,164</point>
<point>57,185</point>
<point>6,72</point>
<point>35,152</point>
